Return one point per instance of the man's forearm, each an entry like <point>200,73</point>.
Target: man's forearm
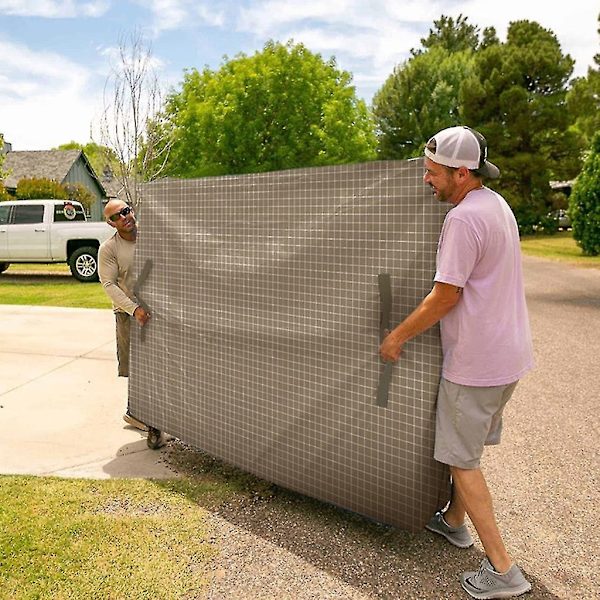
<point>438,303</point>
<point>119,298</point>
<point>426,315</point>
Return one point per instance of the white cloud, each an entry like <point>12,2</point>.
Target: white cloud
<point>388,45</point>
<point>52,9</point>
<point>267,16</point>
<point>168,14</point>
<point>21,63</point>
<point>210,16</point>
<point>45,98</point>
<point>177,14</point>
<point>114,59</point>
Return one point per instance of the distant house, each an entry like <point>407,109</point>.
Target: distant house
<point>64,166</point>
<point>563,186</point>
<point>113,186</point>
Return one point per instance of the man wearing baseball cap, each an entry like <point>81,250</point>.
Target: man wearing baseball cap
<point>479,299</point>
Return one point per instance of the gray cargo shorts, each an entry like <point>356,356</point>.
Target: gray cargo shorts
<point>123,322</point>
<point>467,419</point>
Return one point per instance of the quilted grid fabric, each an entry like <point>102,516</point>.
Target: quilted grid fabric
<point>263,346</point>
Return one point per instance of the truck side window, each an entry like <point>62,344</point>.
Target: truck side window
<point>33,213</point>
<point>4,212</point>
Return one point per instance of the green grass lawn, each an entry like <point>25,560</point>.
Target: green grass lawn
<point>57,268</point>
<point>135,539</point>
<point>68,293</point>
<point>83,539</point>
<point>49,285</point>
<point>560,247</point>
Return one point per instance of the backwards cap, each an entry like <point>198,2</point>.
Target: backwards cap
<point>461,147</point>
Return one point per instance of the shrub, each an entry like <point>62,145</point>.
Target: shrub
<point>526,220</point>
<point>80,193</point>
<point>584,203</point>
<point>533,222</point>
<point>4,195</point>
<point>35,188</point>
<point>547,225</point>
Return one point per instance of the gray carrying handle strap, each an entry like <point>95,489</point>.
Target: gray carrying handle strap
<point>136,290</point>
<point>385,299</point>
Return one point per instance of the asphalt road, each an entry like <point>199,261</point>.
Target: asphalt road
<point>545,476</point>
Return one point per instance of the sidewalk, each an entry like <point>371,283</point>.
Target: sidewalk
<point>61,402</point>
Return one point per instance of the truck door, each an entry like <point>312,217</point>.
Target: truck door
<point>28,234</point>
<point>4,214</point>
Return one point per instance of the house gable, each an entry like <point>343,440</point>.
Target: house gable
<point>63,166</point>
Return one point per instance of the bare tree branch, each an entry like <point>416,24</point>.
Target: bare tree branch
<point>131,119</point>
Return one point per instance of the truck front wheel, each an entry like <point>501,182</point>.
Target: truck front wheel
<point>84,264</point>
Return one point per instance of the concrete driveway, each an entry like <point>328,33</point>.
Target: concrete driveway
<point>61,403</point>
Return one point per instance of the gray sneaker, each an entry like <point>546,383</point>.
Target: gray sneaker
<point>134,422</point>
<point>459,536</point>
<point>486,583</point>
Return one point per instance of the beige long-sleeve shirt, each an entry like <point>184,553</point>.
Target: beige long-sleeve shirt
<point>115,268</point>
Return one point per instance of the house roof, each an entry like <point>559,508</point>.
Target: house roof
<point>112,185</point>
<point>559,185</point>
<point>49,164</point>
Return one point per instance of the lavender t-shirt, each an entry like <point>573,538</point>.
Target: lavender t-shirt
<point>486,338</point>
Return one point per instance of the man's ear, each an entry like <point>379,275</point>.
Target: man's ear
<point>463,172</point>
<point>109,222</point>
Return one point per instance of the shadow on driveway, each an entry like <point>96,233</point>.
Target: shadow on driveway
<point>273,543</point>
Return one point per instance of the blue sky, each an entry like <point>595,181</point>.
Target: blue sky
<point>55,54</point>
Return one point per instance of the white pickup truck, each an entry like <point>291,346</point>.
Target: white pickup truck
<point>51,231</point>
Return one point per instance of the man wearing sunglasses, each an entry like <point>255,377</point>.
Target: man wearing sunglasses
<point>115,268</point>
<point>478,296</point>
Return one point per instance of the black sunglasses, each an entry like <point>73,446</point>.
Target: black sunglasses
<point>122,213</point>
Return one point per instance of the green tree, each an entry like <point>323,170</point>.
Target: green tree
<point>418,99</point>
<point>583,101</point>
<point>34,188</point>
<point>281,108</point>
<point>99,156</point>
<point>453,36</point>
<point>516,98</point>
<point>489,38</point>
<point>584,203</point>
<point>38,188</point>
<point>78,192</point>
<point>421,96</point>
